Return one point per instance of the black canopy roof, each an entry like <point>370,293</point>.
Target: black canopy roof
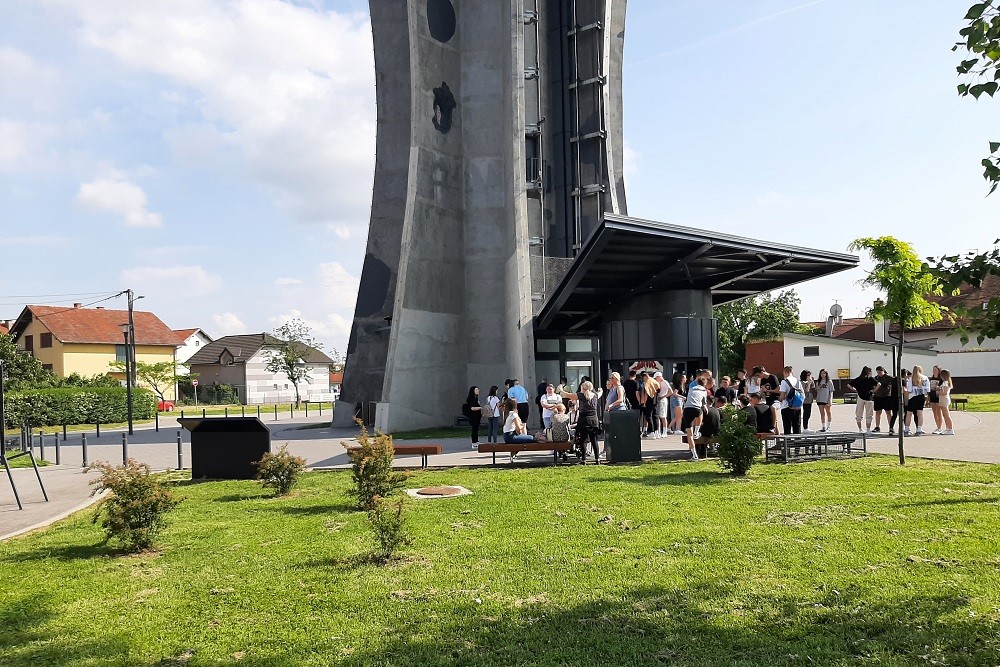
<point>626,256</point>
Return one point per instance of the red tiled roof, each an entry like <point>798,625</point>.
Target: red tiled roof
<point>4,329</point>
<point>184,334</point>
<point>851,328</point>
<point>98,325</point>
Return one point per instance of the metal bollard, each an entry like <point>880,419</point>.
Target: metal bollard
<point>275,412</point>
<point>41,445</point>
<point>98,429</point>
<point>321,408</point>
<point>157,421</point>
<point>55,436</point>
<point>124,448</point>
<point>203,413</point>
<point>83,437</point>
<point>258,412</point>
<point>307,409</point>
<point>291,411</point>
<point>243,411</point>
<point>182,414</point>
<point>64,432</point>
<point>180,452</point>
<point>226,414</point>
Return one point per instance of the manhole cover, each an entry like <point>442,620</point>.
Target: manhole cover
<point>432,492</point>
<point>439,491</point>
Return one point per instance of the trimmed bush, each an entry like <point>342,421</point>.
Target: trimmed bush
<point>134,514</point>
<point>738,444</point>
<point>371,468</point>
<point>387,523</point>
<point>280,471</point>
<point>76,405</point>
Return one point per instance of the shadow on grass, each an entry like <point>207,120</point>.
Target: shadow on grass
<point>311,510</point>
<point>704,625</point>
<point>68,552</point>
<point>693,478</point>
<point>950,501</point>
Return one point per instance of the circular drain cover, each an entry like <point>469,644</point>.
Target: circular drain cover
<point>439,491</point>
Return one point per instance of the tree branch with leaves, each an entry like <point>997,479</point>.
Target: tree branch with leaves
<point>761,317</point>
<point>295,342</point>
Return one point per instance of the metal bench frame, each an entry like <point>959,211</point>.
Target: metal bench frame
<point>786,448</point>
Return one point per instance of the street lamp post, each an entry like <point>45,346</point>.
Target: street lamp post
<point>126,331</point>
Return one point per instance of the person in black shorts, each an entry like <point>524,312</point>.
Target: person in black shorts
<point>885,400</point>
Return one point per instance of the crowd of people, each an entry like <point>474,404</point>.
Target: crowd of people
<point>690,406</point>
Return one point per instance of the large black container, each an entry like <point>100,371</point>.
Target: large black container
<point>624,442</point>
<point>226,447</point>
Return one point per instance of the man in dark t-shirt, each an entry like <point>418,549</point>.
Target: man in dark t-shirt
<point>749,414</point>
<point>865,385</point>
<point>631,389</point>
<point>765,414</point>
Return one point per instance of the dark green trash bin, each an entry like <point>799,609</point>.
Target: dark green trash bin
<point>624,441</point>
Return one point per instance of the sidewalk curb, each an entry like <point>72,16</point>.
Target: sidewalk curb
<point>95,498</point>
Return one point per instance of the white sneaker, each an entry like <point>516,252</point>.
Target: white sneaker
<point>936,431</point>
<point>807,430</point>
<point>948,431</point>
<point>823,430</point>
<point>891,432</point>
<point>861,430</point>
<point>919,431</point>
<point>694,455</point>
<point>869,431</point>
<point>906,431</point>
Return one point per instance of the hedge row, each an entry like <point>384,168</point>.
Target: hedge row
<point>72,405</point>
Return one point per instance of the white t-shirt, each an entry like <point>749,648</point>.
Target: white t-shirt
<point>549,403</point>
<point>697,396</point>
<point>508,426</point>
<point>493,406</point>
<point>786,386</point>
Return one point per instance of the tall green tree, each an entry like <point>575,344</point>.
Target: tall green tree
<point>905,282</point>
<point>22,371</point>
<point>762,317</point>
<point>967,271</point>
<point>981,70</point>
<point>295,341</point>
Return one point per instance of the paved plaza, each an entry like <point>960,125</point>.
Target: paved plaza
<point>69,488</point>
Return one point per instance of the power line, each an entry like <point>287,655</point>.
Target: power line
<point>45,296</point>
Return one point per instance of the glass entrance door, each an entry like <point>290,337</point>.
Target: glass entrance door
<point>576,371</point>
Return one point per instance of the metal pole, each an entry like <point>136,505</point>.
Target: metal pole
<point>321,408</point>
<point>83,442</point>
<point>55,436</point>
<point>227,411</point>
<point>258,412</point>
<point>64,432</point>
<point>307,409</point>
<point>130,353</point>
<point>124,449</point>
<point>98,429</point>
<point>128,372</point>
<point>180,452</point>
<point>275,412</point>
<point>157,420</point>
<point>41,445</point>
<point>3,419</point>
<point>243,411</point>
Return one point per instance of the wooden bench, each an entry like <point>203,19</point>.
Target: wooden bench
<point>815,445</point>
<point>423,451</point>
<point>517,447</point>
<point>959,400</point>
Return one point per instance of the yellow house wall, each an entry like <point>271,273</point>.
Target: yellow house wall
<point>48,355</point>
<point>95,359</point>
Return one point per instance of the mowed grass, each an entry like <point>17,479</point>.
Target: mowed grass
<point>856,562</point>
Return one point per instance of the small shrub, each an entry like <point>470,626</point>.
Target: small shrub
<point>371,468</point>
<point>280,471</point>
<point>135,513</point>
<point>387,523</point>
<point>738,444</point>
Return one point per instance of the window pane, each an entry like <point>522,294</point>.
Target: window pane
<point>810,351</point>
<point>120,353</point>
<point>579,344</point>
<point>547,345</point>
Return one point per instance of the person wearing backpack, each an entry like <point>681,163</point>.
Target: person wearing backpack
<point>792,397</point>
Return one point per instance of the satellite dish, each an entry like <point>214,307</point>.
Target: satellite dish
<point>836,310</point>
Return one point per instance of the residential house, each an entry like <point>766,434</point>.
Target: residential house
<point>190,341</point>
<point>87,341</point>
<point>241,361</point>
<point>4,326</point>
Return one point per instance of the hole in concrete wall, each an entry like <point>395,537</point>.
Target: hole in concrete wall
<point>441,19</point>
<point>444,105</point>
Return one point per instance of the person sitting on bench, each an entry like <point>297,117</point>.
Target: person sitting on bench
<point>514,430</point>
<point>765,415</point>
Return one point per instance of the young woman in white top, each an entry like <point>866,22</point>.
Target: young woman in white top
<point>824,399</point>
<point>945,387</point>
<point>918,386</point>
<point>514,429</point>
<point>697,401</point>
<point>493,412</point>
<point>663,404</point>
<point>549,400</point>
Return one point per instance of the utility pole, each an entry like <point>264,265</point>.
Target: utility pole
<point>3,415</point>
<point>131,350</point>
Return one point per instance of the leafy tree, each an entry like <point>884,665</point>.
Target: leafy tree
<point>981,71</point>
<point>754,318</point>
<point>295,341</point>
<point>159,377</point>
<point>22,371</point>
<point>906,283</point>
<point>88,382</point>
<point>960,273</point>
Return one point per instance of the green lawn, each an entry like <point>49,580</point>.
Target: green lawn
<point>857,562</point>
<point>982,402</point>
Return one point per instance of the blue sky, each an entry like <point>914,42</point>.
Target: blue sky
<point>217,156</point>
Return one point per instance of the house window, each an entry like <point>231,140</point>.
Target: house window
<point>120,353</point>
<point>29,343</point>
<point>197,343</point>
<point>986,305</point>
<point>45,340</point>
<point>810,351</point>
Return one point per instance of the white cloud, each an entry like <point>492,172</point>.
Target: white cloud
<point>26,83</point>
<point>228,324</point>
<point>120,196</point>
<point>630,161</point>
<point>332,328</point>
<point>188,281</point>
<point>21,143</point>
<point>287,281</point>
<point>771,198</point>
<point>289,86</point>
<point>338,287</point>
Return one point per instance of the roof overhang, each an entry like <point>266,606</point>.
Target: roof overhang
<point>625,257</point>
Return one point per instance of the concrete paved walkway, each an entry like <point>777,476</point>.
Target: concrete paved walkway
<point>68,486</point>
